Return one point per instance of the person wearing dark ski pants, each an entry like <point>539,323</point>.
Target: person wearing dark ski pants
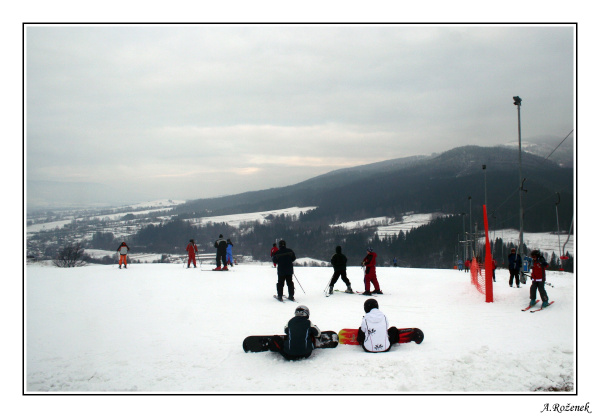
<point>300,335</point>
<point>339,261</point>
<point>538,278</point>
<point>284,259</point>
<point>514,267</point>
<point>221,246</point>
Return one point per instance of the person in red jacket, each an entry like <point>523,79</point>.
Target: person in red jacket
<point>370,275</point>
<point>538,278</point>
<point>274,249</point>
<point>192,250</point>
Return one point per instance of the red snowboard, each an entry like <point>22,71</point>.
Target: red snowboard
<point>348,336</point>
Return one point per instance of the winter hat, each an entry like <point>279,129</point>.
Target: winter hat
<point>281,243</point>
<point>220,235</point>
<point>371,304</point>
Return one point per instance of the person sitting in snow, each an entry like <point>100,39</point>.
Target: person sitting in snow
<point>300,335</point>
<point>373,334</point>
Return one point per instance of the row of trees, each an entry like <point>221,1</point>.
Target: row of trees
<point>429,246</point>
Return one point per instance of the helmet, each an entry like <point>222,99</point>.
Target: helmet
<point>370,249</point>
<point>282,243</point>
<point>535,253</point>
<point>371,304</point>
<point>302,310</point>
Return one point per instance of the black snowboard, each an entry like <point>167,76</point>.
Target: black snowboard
<point>258,343</point>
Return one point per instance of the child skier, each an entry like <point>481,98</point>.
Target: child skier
<point>538,278</point>
<point>229,252</point>
<point>300,334</point>
<point>373,334</point>
<point>273,251</point>
<point>192,250</point>
<point>370,275</point>
<point>338,261</point>
<point>122,251</point>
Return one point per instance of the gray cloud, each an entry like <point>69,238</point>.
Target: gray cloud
<point>197,111</point>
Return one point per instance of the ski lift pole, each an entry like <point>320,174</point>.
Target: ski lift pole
<point>299,284</point>
<point>557,225</point>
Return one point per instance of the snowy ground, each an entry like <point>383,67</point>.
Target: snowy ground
<point>161,328</point>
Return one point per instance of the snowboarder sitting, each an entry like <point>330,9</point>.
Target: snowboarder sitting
<point>538,278</point>
<point>373,334</point>
<point>338,261</point>
<point>300,335</point>
<point>284,258</point>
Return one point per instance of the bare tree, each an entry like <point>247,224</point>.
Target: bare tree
<point>71,255</point>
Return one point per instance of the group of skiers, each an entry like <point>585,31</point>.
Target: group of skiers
<point>284,257</point>
<point>538,275</point>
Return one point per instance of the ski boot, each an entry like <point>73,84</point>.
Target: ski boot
<point>545,304</point>
<point>532,303</point>
<point>348,290</point>
<point>378,292</point>
<point>331,290</point>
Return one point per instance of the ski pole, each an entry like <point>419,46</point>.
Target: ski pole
<point>328,284</point>
<point>299,283</point>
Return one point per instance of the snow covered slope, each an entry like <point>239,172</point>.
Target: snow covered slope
<point>160,328</point>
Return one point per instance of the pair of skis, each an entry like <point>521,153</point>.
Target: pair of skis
<point>528,308</point>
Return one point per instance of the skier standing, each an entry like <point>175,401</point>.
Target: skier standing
<point>514,267</point>
<point>538,278</point>
<point>229,252</point>
<point>284,259</point>
<point>192,250</point>
<point>221,246</point>
<point>122,251</point>
<point>300,334</point>
<point>339,261</point>
<point>373,334</point>
<point>370,275</point>
<point>273,251</point>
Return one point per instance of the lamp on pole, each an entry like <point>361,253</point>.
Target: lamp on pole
<point>517,102</point>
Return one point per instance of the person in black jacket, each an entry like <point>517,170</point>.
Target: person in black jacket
<point>514,267</point>
<point>221,246</point>
<point>339,261</point>
<point>284,258</point>
<point>300,334</point>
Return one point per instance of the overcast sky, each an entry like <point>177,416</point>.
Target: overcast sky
<point>142,112</point>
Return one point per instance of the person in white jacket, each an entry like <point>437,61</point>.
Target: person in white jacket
<point>373,334</point>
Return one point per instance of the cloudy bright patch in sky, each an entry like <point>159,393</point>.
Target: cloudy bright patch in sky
<point>191,111</point>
